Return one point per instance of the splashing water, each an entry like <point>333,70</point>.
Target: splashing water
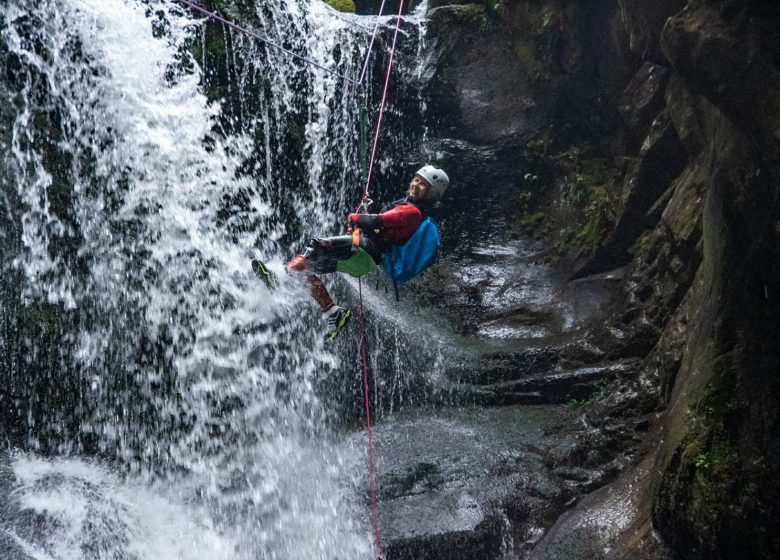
<point>144,195</point>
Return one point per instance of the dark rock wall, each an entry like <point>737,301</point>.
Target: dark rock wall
<point>717,494</point>
<point>684,101</point>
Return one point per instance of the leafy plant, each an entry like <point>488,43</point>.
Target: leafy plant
<point>530,221</point>
<point>547,17</point>
<point>493,5</point>
<point>572,154</point>
<point>575,190</point>
<point>347,6</point>
<point>601,390</point>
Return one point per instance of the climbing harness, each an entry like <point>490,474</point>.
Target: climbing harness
<point>216,17</point>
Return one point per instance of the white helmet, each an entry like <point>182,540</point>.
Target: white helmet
<point>436,178</point>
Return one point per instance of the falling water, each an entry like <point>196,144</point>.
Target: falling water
<point>150,157</point>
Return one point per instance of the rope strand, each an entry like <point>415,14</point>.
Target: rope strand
<point>367,400</point>
<point>270,43</point>
<point>382,104</point>
<point>366,397</point>
<point>365,199</point>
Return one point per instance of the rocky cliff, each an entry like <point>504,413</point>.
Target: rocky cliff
<point>639,141</point>
<point>610,282</point>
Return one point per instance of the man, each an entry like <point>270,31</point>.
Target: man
<point>370,236</point>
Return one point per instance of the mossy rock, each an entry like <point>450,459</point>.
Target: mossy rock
<point>468,15</point>
<point>346,6</point>
<point>532,219</point>
<point>529,58</point>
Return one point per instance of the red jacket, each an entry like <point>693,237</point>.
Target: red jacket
<point>396,225</point>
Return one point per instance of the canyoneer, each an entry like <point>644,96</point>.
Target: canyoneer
<point>402,238</point>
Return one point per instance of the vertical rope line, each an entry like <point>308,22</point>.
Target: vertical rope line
<point>366,396</point>
<point>371,44</point>
<point>367,400</point>
<point>382,105</point>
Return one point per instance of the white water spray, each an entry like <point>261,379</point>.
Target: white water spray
<point>193,378</point>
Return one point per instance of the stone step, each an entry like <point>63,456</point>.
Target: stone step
<point>497,367</point>
<point>552,388</point>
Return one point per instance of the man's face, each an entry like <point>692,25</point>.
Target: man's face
<point>418,188</point>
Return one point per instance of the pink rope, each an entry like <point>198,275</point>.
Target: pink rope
<point>371,467</point>
<point>363,351</point>
<point>366,398</point>
<point>382,106</point>
<point>267,41</point>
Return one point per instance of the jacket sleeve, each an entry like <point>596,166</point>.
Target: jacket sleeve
<point>401,222</point>
<point>366,221</point>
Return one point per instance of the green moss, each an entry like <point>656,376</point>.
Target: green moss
<point>534,42</point>
<point>592,234</point>
<point>714,482</point>
<point>532,219</point>
<point>529,58</point>
<point>347,6</point>
<point>40,320</point>
<point>641,245</point>
<point>601,390</point>
<point>547,17</point>
<point>60,194</point>
<point>468,14</point>
<point>216,45</point>
<point>589,189</point>
<point>493,6</point>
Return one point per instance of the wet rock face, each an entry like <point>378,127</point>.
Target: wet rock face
<point>504,70</point>
<point>723,412</point>
<point>728,53</point>
<point>695,233</point>
<point>642,22</point>
<point>659,163</point>
<point>480,483</point>
<point>643,98</point>
<point>371,7</point>
<point>486,97</point>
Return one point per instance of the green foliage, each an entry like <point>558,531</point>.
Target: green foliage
<point>493,6</point>
<point>471,15</point>
<point>532,219</point>
<point>529,58</point>
<point>602,387</point>
<point>524,198</point>
<point>572,154</point>
<point>710,463</point>
<point>597,219</point>
<point>347,6</point>
<point>588,189</point>
<point>575,189</point>
<point>537,145</point>
<point>548,14</point>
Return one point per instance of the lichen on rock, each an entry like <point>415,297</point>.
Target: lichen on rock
<point>347,6</point>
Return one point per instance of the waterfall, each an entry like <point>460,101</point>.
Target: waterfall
<point>150,155</point>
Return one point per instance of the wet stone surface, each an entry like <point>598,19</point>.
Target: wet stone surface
<point>477,482</point>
